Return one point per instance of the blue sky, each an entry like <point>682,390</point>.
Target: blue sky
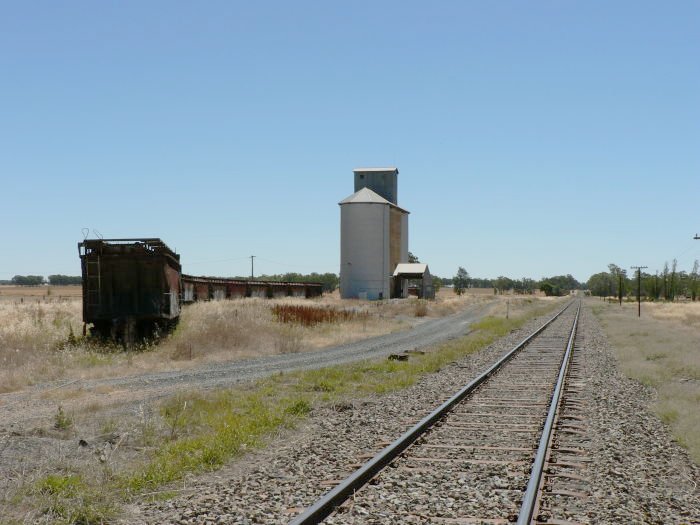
<point>532,138</point>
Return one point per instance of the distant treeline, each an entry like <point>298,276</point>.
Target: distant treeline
<point>37,280</point>
<point>329,280</point>
<point>668,285</point>
<point>555,285</point>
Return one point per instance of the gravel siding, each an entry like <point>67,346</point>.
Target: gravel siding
<point>639,474</point>
<point>636,474</point>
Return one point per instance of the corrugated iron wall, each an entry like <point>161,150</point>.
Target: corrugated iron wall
<point>206,288</point>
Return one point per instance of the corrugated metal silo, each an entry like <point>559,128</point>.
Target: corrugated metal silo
<point>382,181</point>
<point>373,239</point>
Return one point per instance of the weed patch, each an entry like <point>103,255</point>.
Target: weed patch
<point>57,485</point>
<point>313,315</point>
<point>68,499</point>
<point>215,428</point>
<point>62,420</point>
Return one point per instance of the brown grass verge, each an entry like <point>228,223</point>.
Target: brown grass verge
<point>34,335</point>
<point>661,350</point>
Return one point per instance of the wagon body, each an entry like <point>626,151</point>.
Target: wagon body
<point>131,287</point>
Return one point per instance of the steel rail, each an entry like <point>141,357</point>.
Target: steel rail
<point>530,499</point>
<point>324,506</point>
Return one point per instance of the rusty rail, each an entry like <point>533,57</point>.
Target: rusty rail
<point>341,492</point>
<point>533,486</point>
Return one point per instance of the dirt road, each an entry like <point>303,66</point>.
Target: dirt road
<point>27,417</point>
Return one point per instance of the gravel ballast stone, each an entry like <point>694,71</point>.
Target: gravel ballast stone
<point>636,473</point>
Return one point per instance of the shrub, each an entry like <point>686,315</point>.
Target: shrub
<point>421,308</point>
<point>62,421</point>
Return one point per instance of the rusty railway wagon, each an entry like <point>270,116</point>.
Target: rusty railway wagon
<point>134,288</point>
<point>131,287</point>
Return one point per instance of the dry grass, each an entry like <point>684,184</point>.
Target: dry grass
<point>661,350</point>
<point>686,313</point>
<point>33,335</point>
<point>240,328</point>
<point>23,294</point>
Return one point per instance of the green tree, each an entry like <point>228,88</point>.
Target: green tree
<point>527,285</point>
<point>618,281</point>
<point>28,280</point>
<point>62,280</point>
<point>550,289</point>
<point>599,284</point>
<point>693,280</point>
<point>503,283</point>
<point>673,281</point>
<point>329,280</point>
<point>460,281</point>
<point>412,258</point>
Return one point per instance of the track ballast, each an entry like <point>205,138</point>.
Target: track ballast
<point>475,452</point>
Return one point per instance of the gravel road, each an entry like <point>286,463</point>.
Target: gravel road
<point>425,333</point>
<point>17,407</point>
<point>636,474</point>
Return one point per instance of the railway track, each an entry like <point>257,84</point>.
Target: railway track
<point>492,453</point>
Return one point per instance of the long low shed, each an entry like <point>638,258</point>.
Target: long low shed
<point>212,288</point>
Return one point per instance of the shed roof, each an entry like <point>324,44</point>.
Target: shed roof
<point>388,168</point>
<point>365,195</point>
<point>411,269</point>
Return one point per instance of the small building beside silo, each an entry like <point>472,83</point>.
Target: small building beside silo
<point>373,235</point>
<point>413,276</point>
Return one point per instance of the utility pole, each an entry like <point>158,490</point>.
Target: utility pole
<point>252,274</point>
<point>639,288</point>
<point>619,289</point>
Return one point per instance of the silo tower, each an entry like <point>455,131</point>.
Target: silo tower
<point>383,181</point>
<point>373,235</point>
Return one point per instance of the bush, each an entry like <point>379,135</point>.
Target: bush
<point>421,308</point>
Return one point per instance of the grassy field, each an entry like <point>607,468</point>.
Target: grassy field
<point>41,332</point>
<point>196,432</point>
<point>39,293</point>
<point>661,350</point>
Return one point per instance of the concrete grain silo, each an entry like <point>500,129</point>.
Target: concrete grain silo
<point>373,236</point>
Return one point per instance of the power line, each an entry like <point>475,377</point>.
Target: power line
<point>218,260</point>
<point>284,264</point>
